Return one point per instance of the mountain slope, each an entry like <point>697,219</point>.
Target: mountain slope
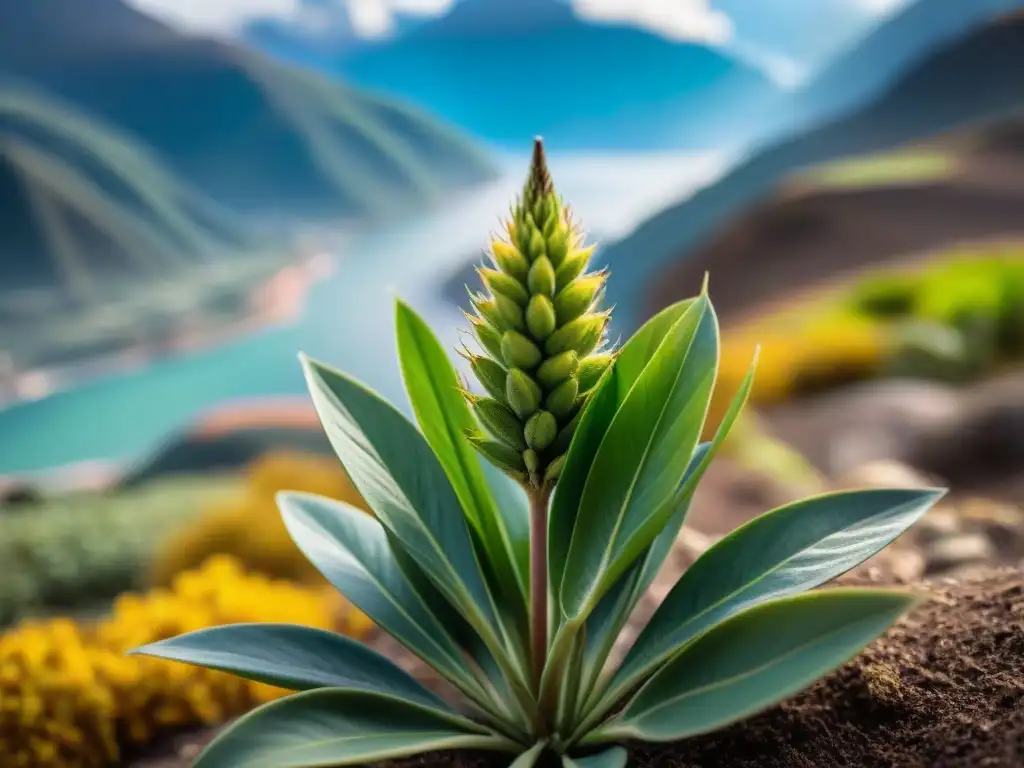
<point>73,191</point>
<point>253,133</point>
<point>800,33</point>
<point>95,237</point>
<point>506,72</point>
<point>879,60</point>
<point>974,78</point>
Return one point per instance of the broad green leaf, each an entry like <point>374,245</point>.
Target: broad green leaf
<point>514,507</point>
<point>293,657</point>
<point>754,660</point>
<point>571,683</point>
<point>641,460</point>
<point>594,422</point>
<point>332,727</point>
<point>395,471</point>
<point>614,757</point>
<point>615,607</point>
<point>605,623</point>
<point>351,550</point>
<point>458,628</point>
<point>530,757</point>
<point>642,575</point>
<point>444,416</point>
<point>783,552</point>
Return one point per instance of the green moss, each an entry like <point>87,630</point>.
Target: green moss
<point>77,550</point>
<point>883,169</point>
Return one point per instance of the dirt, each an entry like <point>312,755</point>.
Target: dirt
<point>941,690</point>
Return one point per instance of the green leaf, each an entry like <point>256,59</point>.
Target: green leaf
<point>641,460</point>
<point>332,727</point>
<point>351,550</point>
<point>530,757</point>
<point>395,471</point>
<point>754,660</point>
<point>514,508</point>
<point>614,609</point>
<point>293,657</point>
<point>610,392</point>
<point>458,628</point>
<point>444,417</point>
<point>783,552</point>
<point>604,625</point>
<point>614,757</point>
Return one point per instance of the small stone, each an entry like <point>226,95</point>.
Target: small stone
<point>189,751</point>
<point>895,563</point>
<point>957,551</point>
<point>938,524</point>
<point>885,474</point>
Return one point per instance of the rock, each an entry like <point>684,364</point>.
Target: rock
<point>938,524</point>
<point>895,564</point>
<point>1002,523</point>
<point>959,551</point>
<point>865,422</point>
<point>971,436</point>
<point>884,474</point>
<point>984,440</point>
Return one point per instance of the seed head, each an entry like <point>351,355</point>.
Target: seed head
<point>541,333</point>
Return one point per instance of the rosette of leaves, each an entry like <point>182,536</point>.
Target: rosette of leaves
<point>516,592</point>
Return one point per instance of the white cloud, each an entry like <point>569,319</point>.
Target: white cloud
<point>214,16</point>
<point>677,19</point>
<point>881,7</point>
<point>376,18</point>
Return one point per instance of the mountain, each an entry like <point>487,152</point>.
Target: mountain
<point>973,78</point>
<point>94,231</point>
<point>877,61</point>
<point>505,72</point>
<point>260,136</point>
<point>870,211</point>
<point>796,35</point>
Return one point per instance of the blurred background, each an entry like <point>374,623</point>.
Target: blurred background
<point>193,191</point>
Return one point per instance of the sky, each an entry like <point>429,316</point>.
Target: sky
<point>679,19</point>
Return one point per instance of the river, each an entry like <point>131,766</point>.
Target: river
<point>348,320</point>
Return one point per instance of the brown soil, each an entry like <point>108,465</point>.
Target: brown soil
<point>942,690</point>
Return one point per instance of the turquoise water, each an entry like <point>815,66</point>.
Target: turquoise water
<point>347,321</point>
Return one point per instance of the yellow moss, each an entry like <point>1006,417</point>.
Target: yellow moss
<point>796,355</point>
<point>249,526</point>
<point>883,683</point>
<point>71,698</point>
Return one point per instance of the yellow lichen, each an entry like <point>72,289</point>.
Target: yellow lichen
<point>249,526</point>
<point>70,697</point>
<point>883,683</point>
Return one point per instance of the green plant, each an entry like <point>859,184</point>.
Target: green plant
<point>80,550</point>
<point>249,525</point>
<point>452,565</point>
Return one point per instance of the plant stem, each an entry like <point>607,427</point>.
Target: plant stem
<point>539,580</point>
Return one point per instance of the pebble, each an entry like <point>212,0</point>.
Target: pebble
<point>960,550</point>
